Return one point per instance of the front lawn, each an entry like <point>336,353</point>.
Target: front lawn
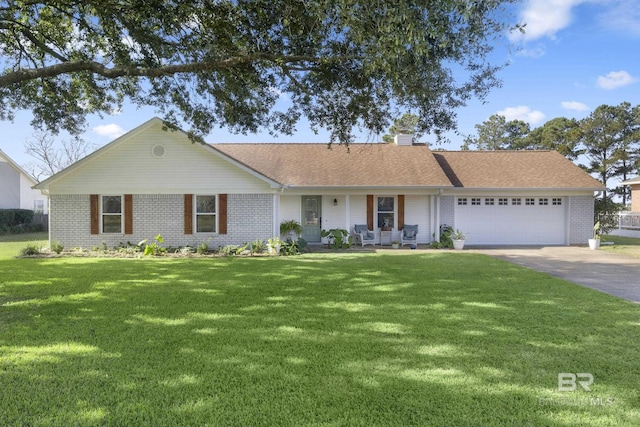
<point>629,246</point>
<point>388,338</point>
<point>10,245</point>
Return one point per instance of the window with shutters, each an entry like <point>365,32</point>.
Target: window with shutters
<point>206,214</point>
<point>386,212</point>
<point>112,214</point>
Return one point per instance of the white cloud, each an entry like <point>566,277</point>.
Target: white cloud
<point>522,112</point>
<point>622,16</point>
<point>574,106</point>
<point>616,79</point>
<point>112,130</point>
<point>534,53</point>
<point>544,18</point>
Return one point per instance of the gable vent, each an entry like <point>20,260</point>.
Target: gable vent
<point>158,150</point>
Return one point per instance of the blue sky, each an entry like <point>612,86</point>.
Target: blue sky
<point>574,56</point>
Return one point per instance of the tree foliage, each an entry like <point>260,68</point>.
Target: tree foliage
<point>406,124</point>
<point>209,63</point>
<point>610,136</point>
<point>497,133</point>
<point>560,134</point>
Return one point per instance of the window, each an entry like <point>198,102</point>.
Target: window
<point>543,201</point>
<point>38,206</point>
<point>489,201</point>
<point>386,210</point>
<point>205,214</point>
<point>475,201</point>
<point>503,201</point>
<point>529,201</point>
<point>112,214</point>
<point>516,201</point>
<point>462,201</point>
<point>556,201</point>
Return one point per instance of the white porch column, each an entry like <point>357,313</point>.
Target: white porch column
<point>434,203</point>
<point>276,215</point>
<point>347,209</point>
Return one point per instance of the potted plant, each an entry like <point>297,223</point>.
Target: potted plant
<point>458,238</point>
<point>595,242</point>
<point>290,229</point>
<point>395,244</point>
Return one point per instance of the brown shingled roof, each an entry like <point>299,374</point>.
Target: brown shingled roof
<point>388,165</point>
<point>364,165</point>
<point>514,169</point>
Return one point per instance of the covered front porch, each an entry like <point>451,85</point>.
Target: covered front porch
<point>385,213</point>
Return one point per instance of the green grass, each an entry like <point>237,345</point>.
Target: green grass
<point>424,338</point>
<point>628,246</point>
<point>11,245</point>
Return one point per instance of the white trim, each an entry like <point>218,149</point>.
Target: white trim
<point>395,210</point>
<point>216,214</point>
<point>102,213</point>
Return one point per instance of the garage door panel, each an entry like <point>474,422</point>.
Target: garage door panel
<point>512,224</point>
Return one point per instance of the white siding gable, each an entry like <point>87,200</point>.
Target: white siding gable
<point>154,161</point>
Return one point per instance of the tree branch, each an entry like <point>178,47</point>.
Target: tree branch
<point>98,68</point>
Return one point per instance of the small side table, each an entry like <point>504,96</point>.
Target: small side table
<point>385,237</point>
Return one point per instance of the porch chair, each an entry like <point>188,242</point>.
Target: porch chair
<point>409,235</point>
<point>363,236</point>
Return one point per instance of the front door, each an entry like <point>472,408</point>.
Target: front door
<point>311,218</point>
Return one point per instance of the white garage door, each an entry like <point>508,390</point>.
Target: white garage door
<point>512,220</point>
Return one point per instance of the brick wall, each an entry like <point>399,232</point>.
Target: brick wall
<point>580,219</point>
<point>70,220</point>
<point>447,211</point>
<point>250,217</point>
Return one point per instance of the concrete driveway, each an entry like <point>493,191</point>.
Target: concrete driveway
<point>611,273</point>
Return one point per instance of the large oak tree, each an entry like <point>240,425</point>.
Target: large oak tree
<point>209,63</point>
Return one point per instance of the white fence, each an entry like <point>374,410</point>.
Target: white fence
<point>629,221</point>
<point>628,224</point>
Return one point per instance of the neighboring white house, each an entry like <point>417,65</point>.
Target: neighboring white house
<point>629,221</point>
<point>152,181</point>
<point>16,190</point>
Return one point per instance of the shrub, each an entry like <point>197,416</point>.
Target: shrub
<point>273,245</point>
<point>202,248</point>
<point>31,249</point>
<point>446,234</point>
<point>13,217</point>
<point>258,246</point>
<point>289,247</point>
<point>228,250</point>
<point>185,250</point>
<point>57,247</point>
<point>154,248</point>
